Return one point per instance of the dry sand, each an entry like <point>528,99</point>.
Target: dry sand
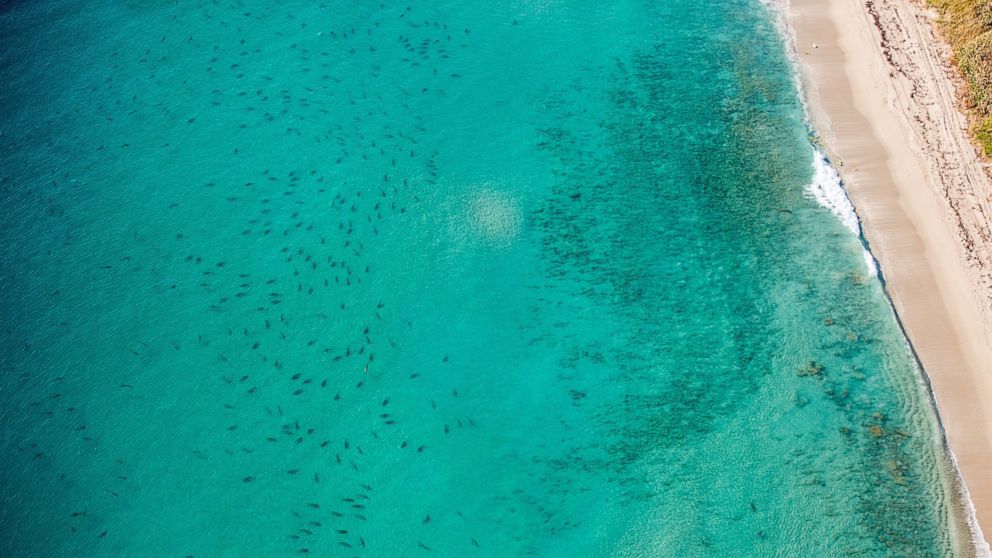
<point>883,99</point>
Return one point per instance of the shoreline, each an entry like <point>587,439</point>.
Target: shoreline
<point>882,97</point>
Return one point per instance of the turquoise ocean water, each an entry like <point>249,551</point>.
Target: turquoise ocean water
<point>522,278</point>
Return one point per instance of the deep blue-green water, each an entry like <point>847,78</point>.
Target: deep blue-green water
<point>450,278</point>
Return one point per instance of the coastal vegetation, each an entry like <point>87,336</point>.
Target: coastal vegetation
<point>967,25</point>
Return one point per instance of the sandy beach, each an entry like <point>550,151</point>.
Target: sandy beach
<point>883,100</point>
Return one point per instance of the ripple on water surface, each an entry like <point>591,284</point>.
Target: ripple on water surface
<point>447,278</point>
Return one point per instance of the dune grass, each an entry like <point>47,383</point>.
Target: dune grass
<point>967,25</point>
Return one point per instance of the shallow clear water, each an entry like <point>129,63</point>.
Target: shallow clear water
<point>448,278</point>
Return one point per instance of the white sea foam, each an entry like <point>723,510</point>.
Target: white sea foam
<point>828,190</point>
<point>827,187</point>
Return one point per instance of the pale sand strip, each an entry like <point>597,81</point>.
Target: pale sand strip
<point>882,98</point>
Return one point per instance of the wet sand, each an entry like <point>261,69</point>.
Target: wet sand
<point>883,102</point>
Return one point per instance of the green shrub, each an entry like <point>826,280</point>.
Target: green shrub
<point>974,58</point>
<point>967,25</point>
<point>983,133</point>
